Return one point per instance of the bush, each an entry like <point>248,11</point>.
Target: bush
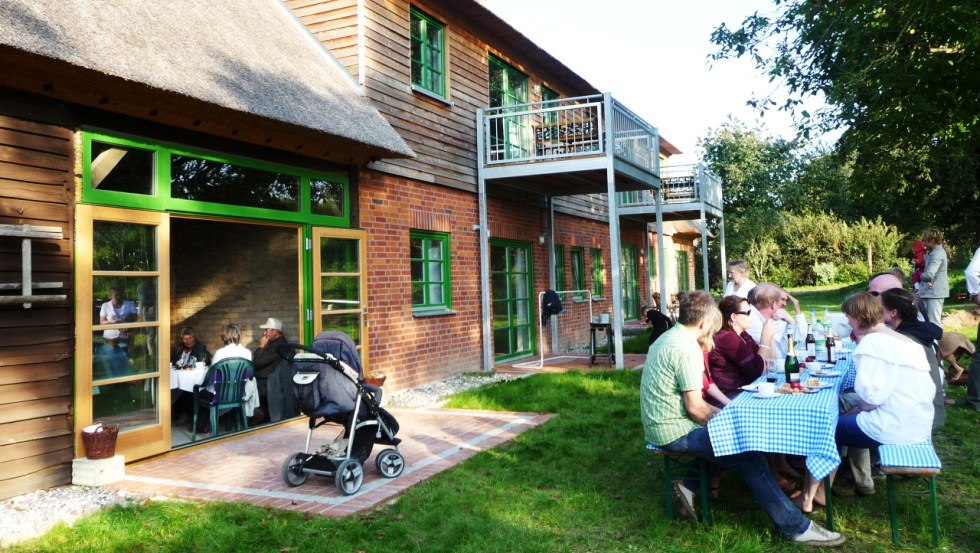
<point>826,273</point>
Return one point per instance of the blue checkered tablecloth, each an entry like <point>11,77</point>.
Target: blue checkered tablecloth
<point>920,455</point>
<point>797,424</point>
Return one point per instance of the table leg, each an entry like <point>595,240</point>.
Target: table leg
<point>828,499</point>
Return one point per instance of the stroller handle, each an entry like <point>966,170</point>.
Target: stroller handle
<point>287,352</point>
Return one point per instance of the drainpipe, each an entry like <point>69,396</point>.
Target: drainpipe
<point>553,276</point>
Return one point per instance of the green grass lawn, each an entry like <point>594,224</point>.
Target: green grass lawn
<point>582,482</point>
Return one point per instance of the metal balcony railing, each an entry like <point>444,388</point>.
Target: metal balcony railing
<point>566,128</point>
<point>682,184</point>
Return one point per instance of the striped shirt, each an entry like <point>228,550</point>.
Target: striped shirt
<point>674,365</point>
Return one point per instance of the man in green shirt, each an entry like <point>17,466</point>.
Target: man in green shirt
<point>675,416</point>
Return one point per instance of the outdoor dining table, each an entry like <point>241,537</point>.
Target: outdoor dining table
<point>795,424</point>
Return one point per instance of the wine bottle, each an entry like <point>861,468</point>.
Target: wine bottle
<point>811,343</point>
<point>792,366</point>
<point>831,347</point>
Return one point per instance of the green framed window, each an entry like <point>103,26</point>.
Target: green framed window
<point>597,272</point>
<point>428,53</point>
<point>512,292</point>
<point>130,172</point>
<point>577,259</point>
<point>429,253</point>
<point>652,261</point>
<point>683,272</point>
<point>629,273</point>
<point>560,267</point>
<point>510,137</point>
<point>548,95</point>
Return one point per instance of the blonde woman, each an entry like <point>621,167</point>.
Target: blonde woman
<point>739,283</point>
<point>710,391</point>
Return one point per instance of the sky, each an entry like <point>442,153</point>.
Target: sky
<point>652,55</point>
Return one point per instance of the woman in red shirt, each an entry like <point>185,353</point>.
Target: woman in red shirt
<point>736,360</point>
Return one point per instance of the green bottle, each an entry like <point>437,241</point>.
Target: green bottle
<point>792,366</point>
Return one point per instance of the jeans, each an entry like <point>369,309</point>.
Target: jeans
<point>850,434</point>
<point>858,458</point>
<point>752,467</point>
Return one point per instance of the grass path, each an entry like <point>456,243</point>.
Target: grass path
<point>582,482</point>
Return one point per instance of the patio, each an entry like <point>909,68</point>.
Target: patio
<point>247,467</point>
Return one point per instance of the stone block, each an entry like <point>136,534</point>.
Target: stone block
<point>97,472</point>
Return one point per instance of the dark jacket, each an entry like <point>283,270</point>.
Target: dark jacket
<point>274,380</point>
<point>659,322</point>
<point>550,305</point>
<point>926,334</point>
<point>265,360</point>
<point>199,351</point>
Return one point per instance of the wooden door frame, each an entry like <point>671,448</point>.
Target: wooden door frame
<point>139,442</point>
<point>317,287</point>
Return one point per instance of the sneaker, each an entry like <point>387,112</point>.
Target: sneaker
<point>818,536</point>
<point>685,500</point>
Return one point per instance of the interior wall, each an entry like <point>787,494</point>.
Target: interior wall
<point>232,273</point>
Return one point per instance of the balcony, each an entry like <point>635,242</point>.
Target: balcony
<point>565,146</point>
<point>687,189</point>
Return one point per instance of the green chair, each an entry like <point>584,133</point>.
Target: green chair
<point>228,377</point>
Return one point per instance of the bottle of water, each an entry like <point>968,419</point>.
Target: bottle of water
<point>820,342</point>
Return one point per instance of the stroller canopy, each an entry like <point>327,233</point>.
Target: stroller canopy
<point>339,345</point>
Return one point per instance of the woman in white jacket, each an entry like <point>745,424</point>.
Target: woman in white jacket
<point>894,385</point>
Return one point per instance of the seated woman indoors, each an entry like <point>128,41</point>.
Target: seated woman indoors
<point>893,383</point>
<point>735,360</point>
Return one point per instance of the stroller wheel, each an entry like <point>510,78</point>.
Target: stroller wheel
<point>389,463</point>
<point>349,476</point>
<point>292,469</point>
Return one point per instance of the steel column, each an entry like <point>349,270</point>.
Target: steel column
<point>553,265</point>
<point>615,247</point>
<point>724,262</point>
<point>484,245</point>
<point>661,259</point>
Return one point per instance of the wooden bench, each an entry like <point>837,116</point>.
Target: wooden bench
<point>911,461</point>
<point>674,461</point>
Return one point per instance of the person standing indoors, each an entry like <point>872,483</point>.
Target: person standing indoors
<point>934,288</point>
<point>739,283</point>
<point>973,380</point>
<point>675,418</point>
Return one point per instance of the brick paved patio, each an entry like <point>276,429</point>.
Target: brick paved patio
<point>247,467</point>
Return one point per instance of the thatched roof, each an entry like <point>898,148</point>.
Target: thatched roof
<point>251,56</point>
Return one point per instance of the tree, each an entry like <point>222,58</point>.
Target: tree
<point>903,78</point>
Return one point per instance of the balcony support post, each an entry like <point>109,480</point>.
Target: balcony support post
<point>615,247</point>
<point>724,262</point>
<point>661,255</point>
<point>704,247</point>
<point>484,243</point>
<point>552,272</point>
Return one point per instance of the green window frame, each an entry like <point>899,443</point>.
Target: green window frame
<point>430,271</point>
<point>683,272</point>
<point>428,53</point>
<point>652,261</point>
<point>577,259</point>
<point>510,137</point>
<point>629,273</point>
<point>160,196</point>
<point>598,275</point>
<point>560,267</point>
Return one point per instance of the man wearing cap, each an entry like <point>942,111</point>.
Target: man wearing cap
<point>266,360</point>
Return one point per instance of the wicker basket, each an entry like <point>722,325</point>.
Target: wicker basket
<point>375,379</point>
<point>101,444</point>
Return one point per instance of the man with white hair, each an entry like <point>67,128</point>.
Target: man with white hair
<point>769,304</point>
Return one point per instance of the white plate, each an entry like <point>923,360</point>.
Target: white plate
<point>828,374</point>
<point>821,386</point>
<point>760,396</point>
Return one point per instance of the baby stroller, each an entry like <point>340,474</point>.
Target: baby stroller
<point>329,387</point>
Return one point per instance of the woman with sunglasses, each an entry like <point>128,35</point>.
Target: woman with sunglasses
<point>737,359</point>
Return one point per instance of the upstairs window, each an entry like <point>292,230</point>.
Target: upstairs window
<point>428,53</point>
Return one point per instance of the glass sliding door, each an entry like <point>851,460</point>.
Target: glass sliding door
<point>629,270</point>
<point>340,285</point>
<point>514,302</point>
<point>121,375</point>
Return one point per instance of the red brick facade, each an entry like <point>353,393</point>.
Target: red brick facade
<point>414,349</point>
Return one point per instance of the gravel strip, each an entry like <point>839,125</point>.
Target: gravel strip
<point>33,514</point>
<point>436,393</point>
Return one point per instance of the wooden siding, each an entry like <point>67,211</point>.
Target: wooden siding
<point>334,24</point>
<point>36,343</point>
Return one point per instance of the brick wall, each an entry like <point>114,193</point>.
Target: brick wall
<point>413,350</point>
<point>237,273</point>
